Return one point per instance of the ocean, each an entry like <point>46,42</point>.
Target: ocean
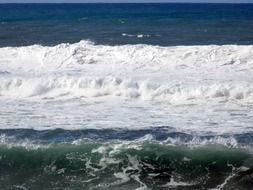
<point>126,96</point>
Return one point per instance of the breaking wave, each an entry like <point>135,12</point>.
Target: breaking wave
<point>133,71</point>
<point>141,163</point>
<point>72,86</point>
<point>43,59</point>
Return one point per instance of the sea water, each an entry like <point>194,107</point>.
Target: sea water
<point>126,96</point>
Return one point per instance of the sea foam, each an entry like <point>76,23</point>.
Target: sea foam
<point>53,86</point>
<point>194,89</point>
<point>133,71</point>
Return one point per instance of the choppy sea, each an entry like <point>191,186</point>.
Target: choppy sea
<point>126,96</point>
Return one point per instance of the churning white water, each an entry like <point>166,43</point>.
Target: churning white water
<point>194,89</point>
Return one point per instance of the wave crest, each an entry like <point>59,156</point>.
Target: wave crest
<point>133,71</point>
<point>45,59</point>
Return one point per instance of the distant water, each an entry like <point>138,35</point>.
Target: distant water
<point>113,24</point>
<point>126,96</point>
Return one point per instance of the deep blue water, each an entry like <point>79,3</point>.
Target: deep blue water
<point>160,24</point>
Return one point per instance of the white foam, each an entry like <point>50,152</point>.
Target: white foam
<point>11,142</point>
<point>78,86</point>
<point>129,85</point>
<point>137,71</point>
<point>136,35</point>
<point>174,184</point>
<point>196,142</point>
<point>40,59</point>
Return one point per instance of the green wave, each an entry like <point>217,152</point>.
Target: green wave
<point>124,165</point>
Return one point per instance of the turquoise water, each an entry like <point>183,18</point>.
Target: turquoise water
<point>62,160</point>
<point>123,159</point>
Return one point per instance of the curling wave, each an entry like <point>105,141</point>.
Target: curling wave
<point>137,164</point>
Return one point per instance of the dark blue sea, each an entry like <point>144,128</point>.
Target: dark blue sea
<point>156,24</point>
<point>126,96</point>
